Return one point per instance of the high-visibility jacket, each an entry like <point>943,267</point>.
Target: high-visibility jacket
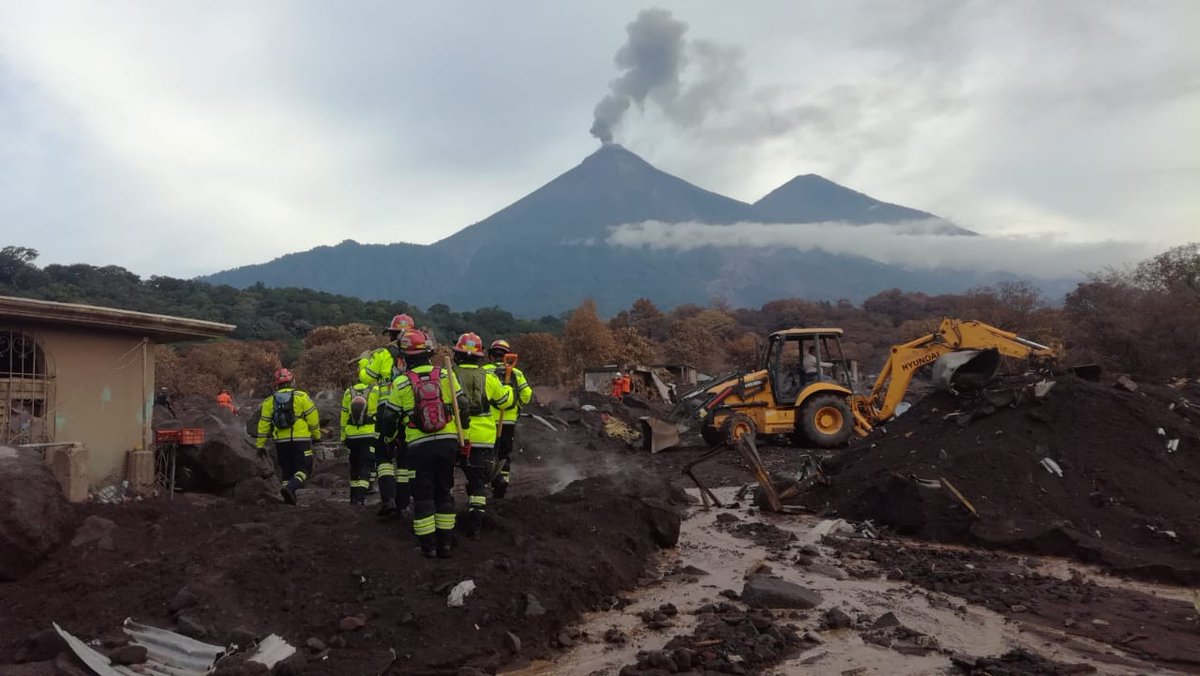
<point>381,366</point>
<point>522,392</point>
<point>366,430</point>
<point>403,402</point>
<point>307,425</point>
<point>496,396</point>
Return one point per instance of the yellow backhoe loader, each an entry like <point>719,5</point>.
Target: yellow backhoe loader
<point>803,387</point>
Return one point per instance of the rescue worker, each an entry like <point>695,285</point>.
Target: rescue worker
<point>810,364</point>
<point>359,405</point>
<point>615,390</point>
<point>380,368</point>
<point>486,398</point>
<point>225,401</point>
<point>419,406</point>
<point>522,395</point>
<point>163,398</point>
<point>289,416</point>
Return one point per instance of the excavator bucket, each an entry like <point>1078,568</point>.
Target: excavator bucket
<point>966,369</point>
<point>658,435</point>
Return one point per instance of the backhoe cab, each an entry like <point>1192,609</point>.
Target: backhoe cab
<point>801,389</point>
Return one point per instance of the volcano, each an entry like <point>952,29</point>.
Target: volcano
<point>548,250</point>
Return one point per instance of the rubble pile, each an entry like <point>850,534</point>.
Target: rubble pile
<point>329,578</point>
<point>1096,471</point>
<point>34,516</point>
<point>727,640</point>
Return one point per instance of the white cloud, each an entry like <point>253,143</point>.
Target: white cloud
<point>914,245</point>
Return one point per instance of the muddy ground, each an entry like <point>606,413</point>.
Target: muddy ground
<point>571,577</point>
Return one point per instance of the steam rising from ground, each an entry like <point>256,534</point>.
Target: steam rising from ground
<point>918,245</point>
<point>652,61</point>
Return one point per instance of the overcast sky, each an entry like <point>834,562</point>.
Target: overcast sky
<point>188,137</point>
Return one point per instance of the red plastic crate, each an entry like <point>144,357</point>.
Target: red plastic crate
<point>188,436</point>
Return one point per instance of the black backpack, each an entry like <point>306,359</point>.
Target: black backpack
<point>283,417</point>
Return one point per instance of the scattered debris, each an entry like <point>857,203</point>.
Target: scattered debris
<point>460,592</point>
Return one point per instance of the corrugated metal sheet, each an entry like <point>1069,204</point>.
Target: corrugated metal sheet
<point>167,653</point>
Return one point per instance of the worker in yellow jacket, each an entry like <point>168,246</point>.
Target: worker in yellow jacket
<point>486,398</point>
<point>289,416</point>
<point>359,405</point>
<point>522,395</point>
<point>421,405</point>
<point>380,368</point>
<point>384,364</point>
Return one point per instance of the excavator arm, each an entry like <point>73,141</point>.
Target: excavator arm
<point>953,335</point>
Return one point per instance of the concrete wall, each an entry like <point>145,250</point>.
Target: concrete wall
<point>104,394</point>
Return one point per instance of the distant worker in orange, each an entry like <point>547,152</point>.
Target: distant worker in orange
<point>621,385</point>
<point>225,400</point>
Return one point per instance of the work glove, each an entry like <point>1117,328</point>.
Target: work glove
<point>465,449</point>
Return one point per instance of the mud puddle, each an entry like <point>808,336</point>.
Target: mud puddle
<point>716,553</point>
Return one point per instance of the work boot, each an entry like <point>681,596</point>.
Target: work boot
<point>499,488</point>
<point>443,544</point>
<point>427,546</point>
<point>386,509</point>
<point>473,524</point>
<point>289,495</point>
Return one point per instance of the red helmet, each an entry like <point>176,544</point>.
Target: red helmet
<point>470,343</point>
<point>500,346</point>
<point>415,342</point>
<point>283,376</point>
<point>401,323</point>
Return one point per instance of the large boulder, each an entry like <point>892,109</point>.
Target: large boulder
<point>764,591</point>
<point>35,517</point>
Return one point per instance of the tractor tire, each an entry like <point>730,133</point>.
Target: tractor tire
<point>736,426</point>
<point>825,421</point>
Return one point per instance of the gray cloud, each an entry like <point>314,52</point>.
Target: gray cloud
<point>653,60</point>
<point>914,245</point>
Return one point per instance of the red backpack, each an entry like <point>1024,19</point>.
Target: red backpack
<point>429,414</point>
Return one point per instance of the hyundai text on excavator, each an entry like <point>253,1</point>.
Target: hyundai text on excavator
<point>803,386</point>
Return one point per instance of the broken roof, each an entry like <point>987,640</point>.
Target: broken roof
<point>162,328</point>
<point>807,332</point>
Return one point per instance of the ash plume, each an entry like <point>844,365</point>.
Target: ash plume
<point>653,61</point>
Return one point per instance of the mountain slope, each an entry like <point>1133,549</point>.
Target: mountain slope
<point>548,250</point>
<point>814,199</point>
<point>609,187</point>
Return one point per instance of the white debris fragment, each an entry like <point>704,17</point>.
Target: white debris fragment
<point>1161,432</point>
<point>830,526</point>
<point>1051,466</point>
<point>459,593</point>
<point>588,407</point>
<point>1172,445</point>
<point>1042,388</point>
<point>271,651</point>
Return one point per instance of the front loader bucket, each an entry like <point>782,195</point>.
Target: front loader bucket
<point>658,434</point>
<point>966,370</point>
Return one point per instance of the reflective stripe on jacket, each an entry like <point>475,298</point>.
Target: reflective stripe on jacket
<point>379,367</point>
<point>307,425</point>
<point>522,392</point>
<point>481,429</point>
<point>350,430</point>
<point>403,400</point>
